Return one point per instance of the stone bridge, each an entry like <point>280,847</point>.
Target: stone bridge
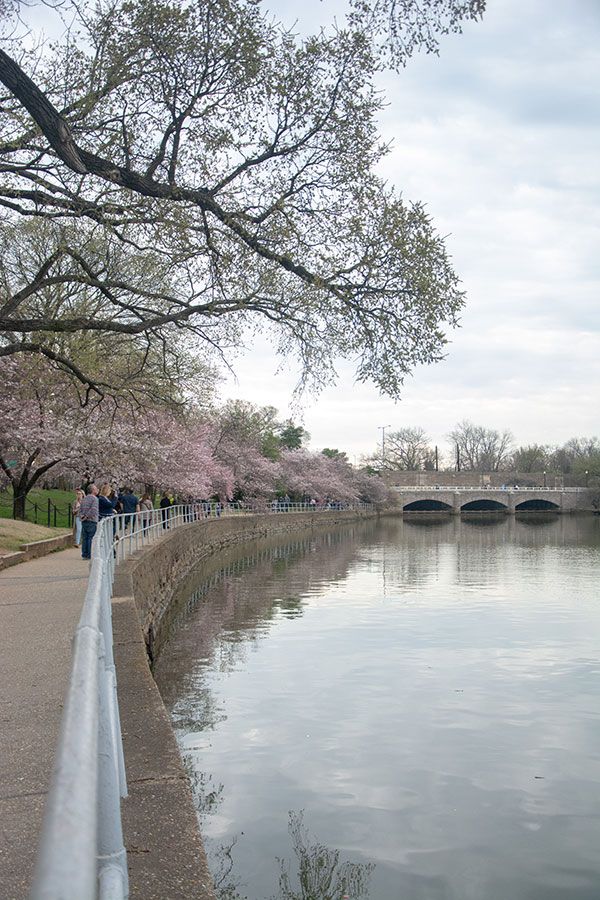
<point>491,499</point>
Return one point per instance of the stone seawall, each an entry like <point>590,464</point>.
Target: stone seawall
<point>164,849</point>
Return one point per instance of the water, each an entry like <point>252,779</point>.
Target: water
<point>404,710</point>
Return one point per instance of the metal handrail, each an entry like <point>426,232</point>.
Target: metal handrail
<point>82,855</point>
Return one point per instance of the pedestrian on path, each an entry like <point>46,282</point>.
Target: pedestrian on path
<point>79,495</point>
<point>106,501</point>
<point>146,508</point>
<point>88,511</point>
<point>165,506</point>
<point>131,506</point>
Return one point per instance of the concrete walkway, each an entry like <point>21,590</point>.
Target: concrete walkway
<point>40,605</point>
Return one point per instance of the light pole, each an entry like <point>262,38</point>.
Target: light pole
<point>383,428</point>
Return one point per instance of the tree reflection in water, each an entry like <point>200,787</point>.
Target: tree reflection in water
<point>320,874</point>
<point>313,873</point>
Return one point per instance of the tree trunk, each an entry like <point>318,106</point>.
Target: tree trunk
<point>19,505</point>
<point>24,484</point>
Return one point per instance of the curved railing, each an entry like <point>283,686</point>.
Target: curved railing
<point>81,855</point>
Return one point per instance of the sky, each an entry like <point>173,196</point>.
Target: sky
<point>500,137</point>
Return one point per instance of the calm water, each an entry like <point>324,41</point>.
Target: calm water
<point>405,710</point>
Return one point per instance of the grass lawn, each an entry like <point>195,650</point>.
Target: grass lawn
<point>14,533</point>
<point>37,506</point>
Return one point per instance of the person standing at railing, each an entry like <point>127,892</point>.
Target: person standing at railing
<point>146,508</point>
<point>165,507</point>
<point>107,502</point>
<point>79,495</point>
<point>130,504</point>
<point>88,511</point>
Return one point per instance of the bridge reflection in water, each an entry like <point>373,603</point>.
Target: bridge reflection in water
<point>507,500</point>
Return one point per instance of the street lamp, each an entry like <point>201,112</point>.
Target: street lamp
<point>544,478</point>
<point>383,428</point>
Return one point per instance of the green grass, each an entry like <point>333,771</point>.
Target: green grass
<point>37,506</point>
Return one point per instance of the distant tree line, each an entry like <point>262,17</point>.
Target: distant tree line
<point>475,448</point>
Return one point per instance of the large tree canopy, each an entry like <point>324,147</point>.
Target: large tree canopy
<point>203,167</point>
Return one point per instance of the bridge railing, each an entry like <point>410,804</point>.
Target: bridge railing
<point>81,854</point>
<point>459,489</point>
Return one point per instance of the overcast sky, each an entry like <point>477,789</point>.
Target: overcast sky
<point>500,137</point>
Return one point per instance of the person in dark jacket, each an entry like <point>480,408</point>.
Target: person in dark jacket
<point>106,505</point>
<point>165,506</point>
<point>130,504</point>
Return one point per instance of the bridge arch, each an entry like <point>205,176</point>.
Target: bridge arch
<point>427,505</point>
<point>537,505</point>
<point>484,504</point>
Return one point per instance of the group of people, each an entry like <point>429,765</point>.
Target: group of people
<point>95,503</point>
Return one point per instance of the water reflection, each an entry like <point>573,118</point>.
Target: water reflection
<point>316,871</point>
<point>484,520</point>
<point>222,616</point>
<point>537,519</point>
<point>313,872</point>
<point>427,692</point>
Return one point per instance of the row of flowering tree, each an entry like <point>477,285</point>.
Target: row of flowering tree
<point>238,451</point>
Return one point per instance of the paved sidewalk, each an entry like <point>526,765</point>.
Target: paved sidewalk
<point>40,605</point>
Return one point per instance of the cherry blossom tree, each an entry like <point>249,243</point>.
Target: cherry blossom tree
<point>322,476</point>
<point>307,472</point>
<point>45,431</point>
<point>175,453</point>
<point>371,488</point>
<point>41,428</point>
<point>254,475</point>
<point>161,450</point>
